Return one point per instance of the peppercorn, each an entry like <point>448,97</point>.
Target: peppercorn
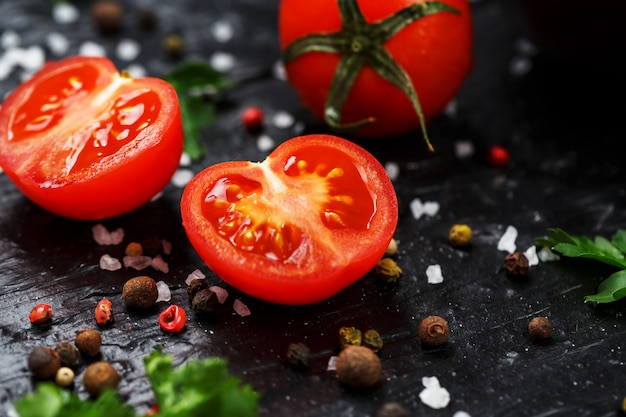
<point>540,328</point>
<point>372,340</point>
<point>88,341</point>
<point>196,285</point>
<point>174,45</point>
<point>43,362</point>
<point>358,367</point>
<point>460,235</point>
<point>64,377</point>
<point>68,354</point>
<point>498,157</point>
<point>204,301</point>
<point>349,336</point>
<point>624,405</point>
<point>107,15</point>
<point>140,292</point>
<point>392,409</point>
<point>133,249</point>
<point>100,376</point>
<point>516,263</point>
<point>147,18</point>
<point>104,312</point>
<point>433,331</point>
<point>392,248</point>
<point>298,355</point>
<point>388,270</point>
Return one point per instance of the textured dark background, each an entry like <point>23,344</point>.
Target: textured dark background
<point>561,121</point>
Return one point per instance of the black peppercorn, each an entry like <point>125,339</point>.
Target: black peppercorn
<point>107,15</point>
<point>516,263</point>
<point>204,301</point>
<point>44,362</point>
<point>298,355</point>
<point>196,285</point>
<point>540,328</point>
<point>68,354</point>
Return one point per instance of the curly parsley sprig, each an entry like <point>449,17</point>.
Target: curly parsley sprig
<point>611,252</point>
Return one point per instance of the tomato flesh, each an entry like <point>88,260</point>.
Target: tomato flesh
<point>85,142</point>
<point>311,219</point>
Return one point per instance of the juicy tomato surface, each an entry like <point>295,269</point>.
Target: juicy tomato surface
<point>435,51</point>
<point>315,216</point>
<point>86,142</point>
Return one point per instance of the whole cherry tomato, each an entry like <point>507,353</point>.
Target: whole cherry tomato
<point>173,319</point>
<point>41,313</point>
<point>86,142</point>
<point>384,68</point>
<point>315,216</point>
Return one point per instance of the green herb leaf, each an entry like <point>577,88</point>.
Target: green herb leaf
<point>611,252</point>
<point>196,113</point>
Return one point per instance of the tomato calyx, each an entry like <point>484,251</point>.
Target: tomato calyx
<point>173,319</point>
<point>360,43</point>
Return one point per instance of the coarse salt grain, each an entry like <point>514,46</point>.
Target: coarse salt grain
<point>531,255</point>
<point>137,71</point>
<point>332,364</point>
<point>433,272</point>
<point>451,109</point>
<point>182,177</point>
<point>167,246</point>
<point>57,43</point>
<point>520,65</point>
<point>164,292</point>
<point>128,49</point>
<point>90,48</point>
<point>222,294</point>
<point>463,149</point>
<point>279,70</point>
<point>461,414</point>
<point>507,240</point>
<point>196,274</point>
<point>434,395</point>
<point>240,308</point>
<point>32,58</point>
<point>64,13</point>
<point>109,263</point>
<point>418,209</point>
<point>264,143</point>
<point>222,31</point>
<point>393,170</point>
<point>159,264</point>
<point>10,39</point>
<point>104,237</point>
<point>222,61</point>
<point>185,160</point>
<point>283,120</point>
<point>137,262</point>
<point>546,255</point>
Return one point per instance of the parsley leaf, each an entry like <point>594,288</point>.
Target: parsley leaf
<point>611,252</point>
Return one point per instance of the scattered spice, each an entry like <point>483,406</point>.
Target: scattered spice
<point>100,376</point>
<point>41,313</point>
<point>358,367</point>
<point>64,377</point>
<point>195,285</point>
<point>388,270</point>
<point>433,331</point>
<point>252,118</point>
<point>88,341</point>
<point>134,249</point>
<point>298,355</point>
<point>43,362</point>
<point>174,45</point>
<point>104,312</point>
<point>516,264</point>
<point>349,336</point>
<point>392,409</point>
<point>140,292</point>
<point>540,328</point>
<point>372,340</point>
<point>392,248</point>
<point>204,301</point>
<point>460,235</point>
<point>107,15</point>
<point>173,319</point>
<point>498,157</point>
<point>68,354</point>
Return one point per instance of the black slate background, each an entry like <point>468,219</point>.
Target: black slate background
<point>563,126</point>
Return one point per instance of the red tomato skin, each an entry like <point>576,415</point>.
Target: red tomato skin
<point>436,52</point>
<point>112,186</point>
<point>335,261</point>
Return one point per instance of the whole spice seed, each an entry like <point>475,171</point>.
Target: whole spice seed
<point>88,341</point>
<point>388,270</point>
<point>392,409</point>
<point>43,362</point>
<point>372,340</point>
<point>516,264</point>
<point>140,292</point>
<point>134,249</point>
<point>174,45</point>
<point>68,354</point>
<point>358,367</point>
<point>298,355</point>
<point>64,377</point>
<point>349,336</point>
<point>104,312</point>
<point>173,319</point>
<point>100,376</point>
<point>540,328</point>
<point>433,331</point>
<point>460,235</point>
<point>41,313</point>
<point>498,157</point>
<point>392,248</point>
<point>107,15</point>
<point>252,118</point>
<point>204,301</point>
<point>196,285</point>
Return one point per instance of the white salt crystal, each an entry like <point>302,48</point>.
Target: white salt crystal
<point>137,71</point>
<point>418,209</point>
<point>507,240</point>
<point>222,294</point>
<point>57,43</point>
<point>264,143</point>
<point>451,109</point>
<point>531,255</point>
<point>283,120</point>
<point>240,308</point>
<point>332,364</point>
<point>137,262</point>
<point>159,264</point>
<point>463,148</point>
<point>64,13</point>
<point>127,49</point>
<point>393,170</point>
<point>222,30</point>
<point>520,65</point>
<point>434,395</point>
<point>461,414</point>
<point>196,274</point>
<point>103,237</point>
<point>167,246</point>
<point>164,292</point>
<point>222,61</point>
<point>185,160</point>
<point>109,263</point>
<point>182,177</point>
<point>10,39</point>
<point>279,70</point>
<point>433,272</point>
<point>90,48</point>
<point>547,255</point>
<point>525,47</point>
<point>32,58</point>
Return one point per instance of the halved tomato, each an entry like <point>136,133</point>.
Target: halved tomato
<point>86,142</point>
<point>315,216</point>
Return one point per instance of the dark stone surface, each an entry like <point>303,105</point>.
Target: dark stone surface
<point>567,170</point>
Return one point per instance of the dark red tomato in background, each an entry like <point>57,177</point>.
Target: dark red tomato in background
<point>434,50</point>
<point>86,142</point>
<point>297,228</point>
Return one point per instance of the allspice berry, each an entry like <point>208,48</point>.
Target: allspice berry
<point>107,15</point>
<point>88,341</point>
<point>540,328</point>
<point>140,292</point>
<point>298,355</point>
<point>68,353</point>
<point>358,366</point>
<point>43,362</point>
<point>516,264</point>
<point>100,376</point>
<point>392,409</point>
<point>433,331</point>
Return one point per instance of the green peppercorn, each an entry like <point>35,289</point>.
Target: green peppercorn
<point>349,336</point>
<point>388,270</point>
<point>372,340</point>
